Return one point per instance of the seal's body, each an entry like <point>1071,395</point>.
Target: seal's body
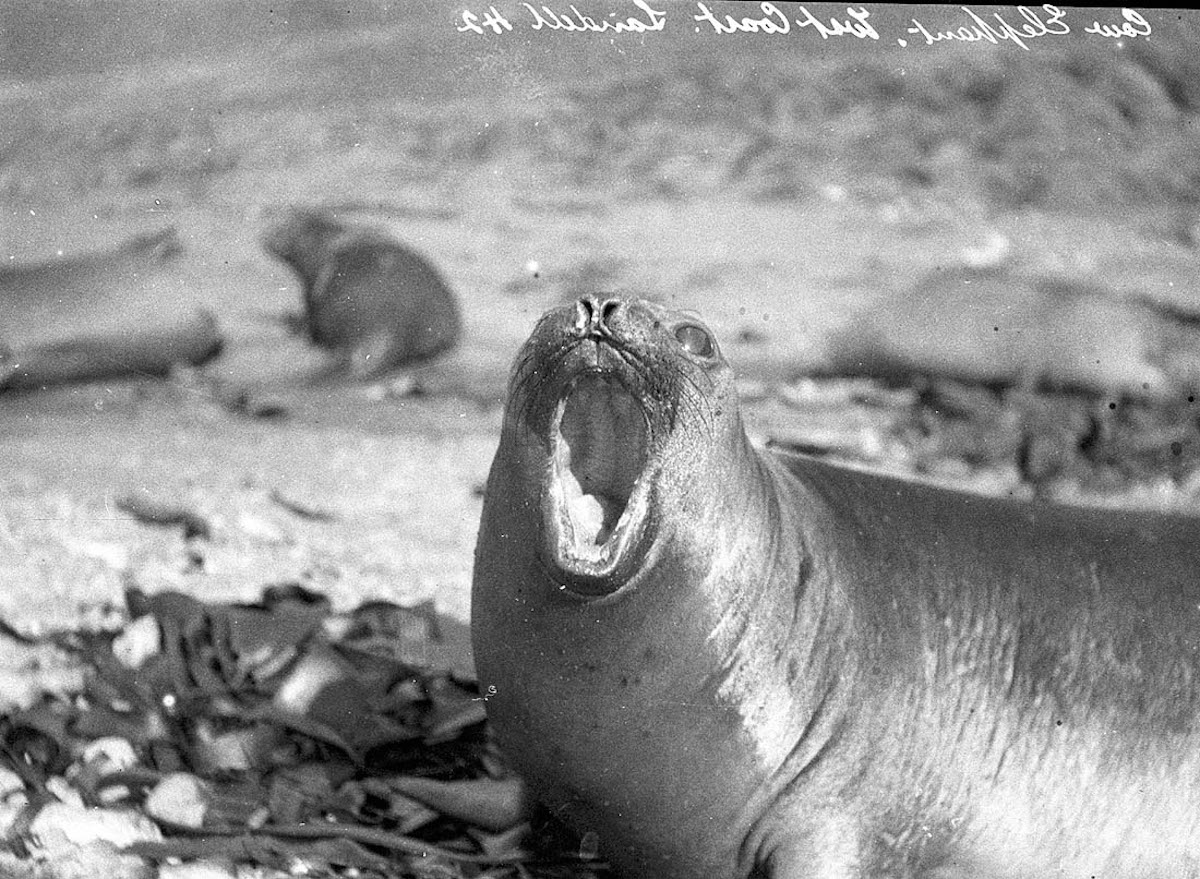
<point>82,317</point>
<point>1002,328</point>
<point>366,296</point>
<point>146,351</point>
<point>731,663</point>
<point>38,298</point>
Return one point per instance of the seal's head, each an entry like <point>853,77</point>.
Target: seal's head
<point>303,238</point>
<point>606,400</point>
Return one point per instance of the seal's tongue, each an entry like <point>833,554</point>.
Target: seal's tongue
<point>599,453</point>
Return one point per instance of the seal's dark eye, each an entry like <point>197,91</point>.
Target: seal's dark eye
<point>694,340</point>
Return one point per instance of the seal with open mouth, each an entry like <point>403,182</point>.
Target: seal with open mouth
<point>727,662</point>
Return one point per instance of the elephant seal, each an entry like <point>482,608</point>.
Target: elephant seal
<point>83,317</point>
<point>145,351</point>
<point>726,662</point>
<point>37,299</point>
<point>371,299</point>
<point>1002,328</point>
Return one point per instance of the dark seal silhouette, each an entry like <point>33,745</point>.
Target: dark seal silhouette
<point>366,296</point>
<point>727,662</point>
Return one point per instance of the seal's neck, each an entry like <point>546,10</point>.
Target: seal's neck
<point>781,630</point>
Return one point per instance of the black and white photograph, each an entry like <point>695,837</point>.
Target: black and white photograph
<point>599,439</point>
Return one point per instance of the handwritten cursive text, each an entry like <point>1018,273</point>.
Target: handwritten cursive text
<point>545,17</point>
<point>979,29</point>
<point>774,21</point>
<point>1133,26</point>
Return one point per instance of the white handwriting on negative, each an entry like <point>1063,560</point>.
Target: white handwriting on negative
<point>979,29</point>
<point>774,21</point>
<point>1133,26</point>
<point>545,17</point>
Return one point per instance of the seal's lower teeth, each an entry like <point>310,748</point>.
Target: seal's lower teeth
<point>600,454</point>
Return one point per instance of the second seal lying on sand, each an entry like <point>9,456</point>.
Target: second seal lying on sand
<point>86,316</point>
<point>366,296</point>
<point>729,663</point>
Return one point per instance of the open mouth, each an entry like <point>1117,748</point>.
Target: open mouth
<point>599,453</point>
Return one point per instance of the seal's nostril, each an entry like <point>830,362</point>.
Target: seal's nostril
<point>585,314</point>
<point>592,315</point>
<point>608,310</point>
